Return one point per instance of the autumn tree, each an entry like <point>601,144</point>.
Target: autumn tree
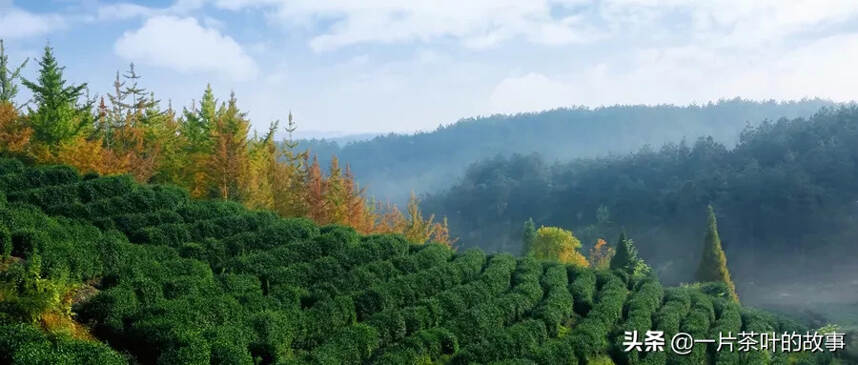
<point>261,168</point>
<point>289,176</point>
<point>58,116</point>
<point>713,263</point>
<point>14,133</point>
<point>601,254</point>
<point>557,244</point>
<point>228,163</point>
<point>314,189</point>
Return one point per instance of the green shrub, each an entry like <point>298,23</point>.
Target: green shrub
<point>558,303</point>
<point>515,341</point>
<point>6,245</point>
<point>583,288</point>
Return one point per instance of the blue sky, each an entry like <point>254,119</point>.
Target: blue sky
<point>386,65</point>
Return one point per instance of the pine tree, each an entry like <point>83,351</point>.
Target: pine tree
<point>315,187</point>
<point>626,258</point>
<point>713,263</point>
<point>198,124</point>
<point>228,161</point>
<point>8,88</point>
<point>625,253</point>
<point>58,116</point>
<point>527,236</point>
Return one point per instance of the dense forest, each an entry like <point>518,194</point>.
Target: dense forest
<point>393,165</point>
<point>103,270</point>
<point>785,195</point>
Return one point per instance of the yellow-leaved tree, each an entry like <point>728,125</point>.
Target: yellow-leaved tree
<point>557,244</point>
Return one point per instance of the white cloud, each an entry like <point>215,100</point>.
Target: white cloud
<point>182,44</point>
<point>486,23</point>
<point>692,74</point>
<point>16,23</point>
<point>530,92</point>
<point>476,23</point>
<point>123,11</point>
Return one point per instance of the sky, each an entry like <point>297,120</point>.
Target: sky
<point>358,66</point>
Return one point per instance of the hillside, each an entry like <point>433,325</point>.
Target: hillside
<point>393,165</point>
<point>170,280</point>
<point>785,196</point>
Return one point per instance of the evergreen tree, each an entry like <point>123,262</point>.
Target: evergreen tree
<point>625,253</point>
<point>713,263</point>
<point>198,124</point>
<point>626,258</point>
<point>8,88</point>
<point>58,116</point>
<point>527,236</point>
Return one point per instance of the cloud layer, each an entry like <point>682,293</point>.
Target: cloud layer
<point>182,44</point>
<point>17,23</point>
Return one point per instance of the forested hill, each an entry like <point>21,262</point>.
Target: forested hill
<point>393,165</point>
<point>785,195</point>
<point>101,270</point>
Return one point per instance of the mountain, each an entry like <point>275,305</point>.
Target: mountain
<point>393,165</point>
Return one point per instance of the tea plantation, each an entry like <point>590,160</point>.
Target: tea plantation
<point>102,270</point>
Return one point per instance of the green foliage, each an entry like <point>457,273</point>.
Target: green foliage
<point>583,289</point>
<point>640,308</point>
<point>557,304</point>
<point>627,260</point>
<point>8,88</point>
<point>58,116</point>
<point>25,344</point>
<point>164,279</point>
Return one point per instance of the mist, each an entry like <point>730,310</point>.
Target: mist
<point>392,166</point>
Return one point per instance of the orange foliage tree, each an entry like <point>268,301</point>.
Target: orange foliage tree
<point>601,254</point>
<point>208,149</point>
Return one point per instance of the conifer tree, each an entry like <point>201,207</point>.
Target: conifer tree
<point>315,190</point>
<point>626,258</point>
<point>58,116</point>
<point>713,263</point>
<point>198,123</point>
<point>527,236</point>
<point>8,88</point>
<point>624,253</point>
<point>228,160</point>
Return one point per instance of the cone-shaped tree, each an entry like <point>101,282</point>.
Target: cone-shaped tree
<point>527,236</point>
<point>713,263</point>
<point>58,117</point>
<point>626,258</point>
<point>624,254</point>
